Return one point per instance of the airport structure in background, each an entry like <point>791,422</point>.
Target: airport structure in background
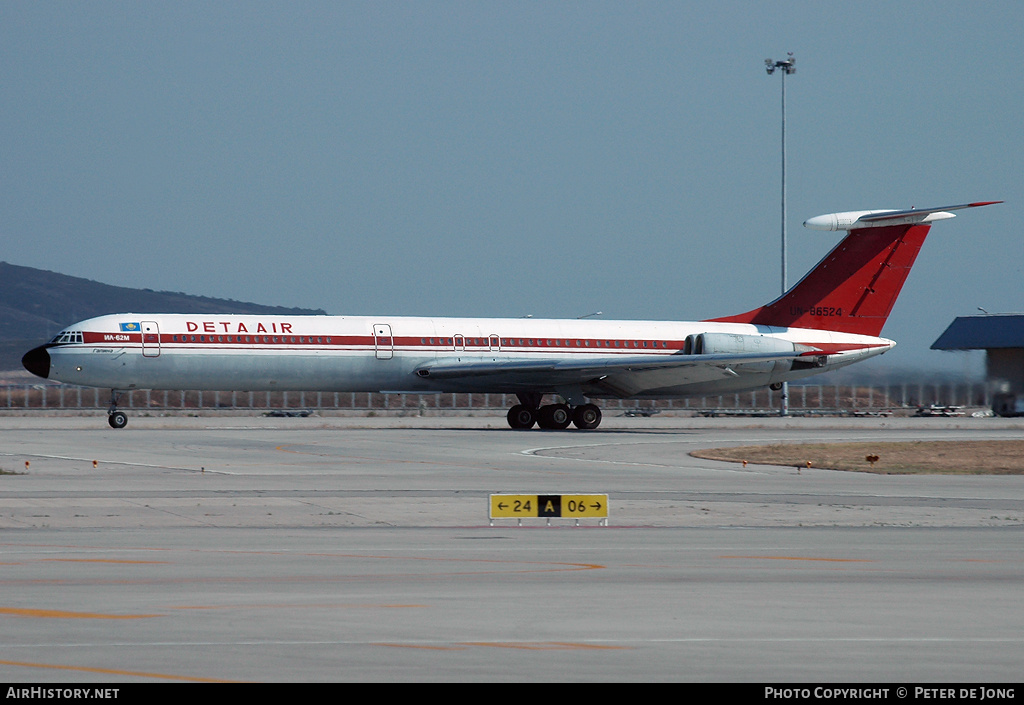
<point>835,399</point>
<point>1001,336</point>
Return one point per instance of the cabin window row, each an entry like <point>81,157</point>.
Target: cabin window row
<point>293,339</point>
<point>469,342</point>
<point>551,343</point>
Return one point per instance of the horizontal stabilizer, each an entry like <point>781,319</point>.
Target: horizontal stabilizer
<point>855,220</point>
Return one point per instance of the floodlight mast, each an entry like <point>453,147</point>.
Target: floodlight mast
<point>785,67</point>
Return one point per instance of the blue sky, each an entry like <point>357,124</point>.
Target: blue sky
<point>509,158</point>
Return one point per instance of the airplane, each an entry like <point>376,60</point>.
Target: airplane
<point>831,318</point>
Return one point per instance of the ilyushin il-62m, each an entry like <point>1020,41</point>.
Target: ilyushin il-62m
<point>830,319</point>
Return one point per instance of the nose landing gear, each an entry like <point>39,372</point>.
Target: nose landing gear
<point>116,419</point>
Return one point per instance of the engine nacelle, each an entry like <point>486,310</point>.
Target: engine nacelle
<point>712,343</point>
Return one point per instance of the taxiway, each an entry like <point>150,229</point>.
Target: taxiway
<point>252,549</point>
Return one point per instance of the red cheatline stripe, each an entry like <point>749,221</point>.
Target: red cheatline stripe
<point>447,343</point>
<point>411,343</point>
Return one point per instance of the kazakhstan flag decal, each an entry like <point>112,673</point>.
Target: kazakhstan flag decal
<point>129,326</point>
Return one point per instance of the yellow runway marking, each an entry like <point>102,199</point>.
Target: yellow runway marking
<point>528,567</point>
<point>62,614</point>
<point>541,566</point>
<point>114,672</point>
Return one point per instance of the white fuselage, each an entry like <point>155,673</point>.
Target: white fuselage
<point>384,353</point>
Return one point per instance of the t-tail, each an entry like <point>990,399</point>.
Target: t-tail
<point>853,289</point>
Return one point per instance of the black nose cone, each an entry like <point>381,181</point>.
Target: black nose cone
<point>37,361</point>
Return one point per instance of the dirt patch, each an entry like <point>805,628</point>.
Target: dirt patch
<point>906,458</point>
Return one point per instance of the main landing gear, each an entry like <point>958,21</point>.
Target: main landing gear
<point>116,419</point>
<point>552,416</point>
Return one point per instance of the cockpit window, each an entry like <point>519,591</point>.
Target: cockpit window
<point>67,336</point>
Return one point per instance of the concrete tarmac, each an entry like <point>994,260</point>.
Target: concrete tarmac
<point>359,549</point>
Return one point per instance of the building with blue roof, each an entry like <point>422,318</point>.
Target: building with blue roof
<point>1001,336</point>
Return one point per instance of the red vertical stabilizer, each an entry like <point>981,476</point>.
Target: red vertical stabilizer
<point>853,289</point>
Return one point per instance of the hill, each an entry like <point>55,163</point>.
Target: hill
<point>35,304</point>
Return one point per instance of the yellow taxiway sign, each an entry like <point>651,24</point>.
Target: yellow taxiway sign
<point>518,506</point>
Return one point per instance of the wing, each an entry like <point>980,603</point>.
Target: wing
<point>618,375</point>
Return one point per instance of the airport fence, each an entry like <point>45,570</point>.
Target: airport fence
<point>847,399</point>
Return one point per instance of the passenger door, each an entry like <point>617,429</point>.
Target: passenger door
<point>383,343</point>
<point>150,339</point>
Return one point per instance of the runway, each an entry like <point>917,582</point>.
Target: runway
<point>354,549</point>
